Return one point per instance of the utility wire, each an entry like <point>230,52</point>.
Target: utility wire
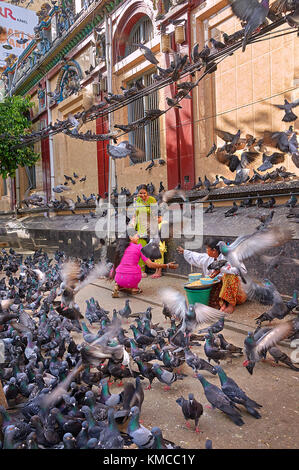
<point>214,58</point>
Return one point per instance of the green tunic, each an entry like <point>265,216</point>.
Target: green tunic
<point>142,212</point>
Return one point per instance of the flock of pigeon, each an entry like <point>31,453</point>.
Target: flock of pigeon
<point>251,149</point>
<point>258,203</point>
<point>253,16</point>
<point>57,389</point>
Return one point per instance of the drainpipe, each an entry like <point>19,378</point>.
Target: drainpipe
<point>192,113</point>
<point>15,196</point>
<point>173,88</point>
<point>51,151</point>
<point>111,175</point>
<point>17,187</point>
<point>12,194</point>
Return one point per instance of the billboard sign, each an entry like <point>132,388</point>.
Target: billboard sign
<point>19,21</point>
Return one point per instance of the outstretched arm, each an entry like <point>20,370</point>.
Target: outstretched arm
<point>196,259</point>
<point>153,265</point>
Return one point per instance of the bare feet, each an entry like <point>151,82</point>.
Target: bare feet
<point>136,291</point>
<point>115,292</point>
<point>229,309</point>
<point>156,275</point>
<point>143,275</point>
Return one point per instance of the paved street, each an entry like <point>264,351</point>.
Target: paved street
<point>276,388</point>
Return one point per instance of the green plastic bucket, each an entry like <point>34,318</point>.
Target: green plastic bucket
<point>201,295</point>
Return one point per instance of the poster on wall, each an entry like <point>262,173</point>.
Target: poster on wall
<point>18,22</point>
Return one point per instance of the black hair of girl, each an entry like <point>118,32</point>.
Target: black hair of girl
<point>142,186</point>
<point>212,243</point>
<point>121,245</point>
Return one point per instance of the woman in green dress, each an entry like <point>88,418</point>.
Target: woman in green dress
<point>141,219</point>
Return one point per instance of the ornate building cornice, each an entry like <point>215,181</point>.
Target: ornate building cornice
<point>61,46</point>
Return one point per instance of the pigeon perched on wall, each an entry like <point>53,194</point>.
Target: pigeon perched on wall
<point>148,54</point>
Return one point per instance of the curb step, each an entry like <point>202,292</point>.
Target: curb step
<point>229,324</point>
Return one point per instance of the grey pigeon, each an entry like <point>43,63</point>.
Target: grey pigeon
<point>140,435</point>
<point>229,346</point>
<point>126,311</point>
<point>232,211</point>
<point>292,201</point>
<point>218,45</point>
<point>110,437</point>
<point>191,316</point>
<point>246,246</point>
<point>197,363</point>
<point>213,352</point>
<point>256,347</point>
<point>270,160</point>
<point>164,376</point>
<point>148,54</point>
<point>210,208</point>
<point>212,150</point>
<point>219,400</point>
<point>236,394</point>
<point>251,11</point>
<point>269,295</point>
<point>280,356</point>
<point>289,116</point>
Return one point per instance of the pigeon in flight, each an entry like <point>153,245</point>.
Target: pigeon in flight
<point>256,348</point>
<point>246,246</point>
<point>270,160</point>
<point>251,11</point>
<point>192,316</point>
<point>289,116</point>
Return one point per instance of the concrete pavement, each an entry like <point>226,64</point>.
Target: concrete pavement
<point>275,388</point>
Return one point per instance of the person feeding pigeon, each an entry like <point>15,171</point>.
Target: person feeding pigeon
<point>228,293</point>
<point>127,271</point>
<point>141,219</point>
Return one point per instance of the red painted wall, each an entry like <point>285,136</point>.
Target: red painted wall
<point>185,138</point>
<point>45,154</point>
<point>46,167</point>
<point>179,138</point>
<point>102,156</point>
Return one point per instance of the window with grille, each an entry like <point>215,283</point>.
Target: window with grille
<point>141,32</point>
<point>4,187</point>
<point>145,138</point>
<point>31,175</point>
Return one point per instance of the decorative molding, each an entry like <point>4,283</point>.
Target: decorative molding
<point>79,31</point>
